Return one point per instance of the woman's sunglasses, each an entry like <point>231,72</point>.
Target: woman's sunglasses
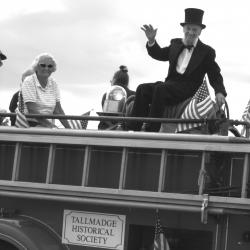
<point>50,66</point>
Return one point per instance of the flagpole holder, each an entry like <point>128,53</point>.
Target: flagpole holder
<point>204,209</point>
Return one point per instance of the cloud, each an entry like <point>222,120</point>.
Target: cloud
<point>91,38</point>
<point>14,8</point>
<point>81,38</point>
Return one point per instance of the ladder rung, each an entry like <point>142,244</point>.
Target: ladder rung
<point>51,163</point>
<point>86,163</point>
<point>16,163</point>
<point>123,171</point>
<point>245,176</point>
<point>202,174</point>
<point>162,173</point>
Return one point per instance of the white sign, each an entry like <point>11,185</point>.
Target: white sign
<point>93,229</point>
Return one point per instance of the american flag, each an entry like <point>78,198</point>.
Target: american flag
<point>160,241</point>
<point>246,117</point>
<point>21,120</point>
<point>246,114</point>
<point>199,107</point>
<point>79,124</point>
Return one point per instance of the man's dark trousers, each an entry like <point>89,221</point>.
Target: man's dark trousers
<point>150,101</point>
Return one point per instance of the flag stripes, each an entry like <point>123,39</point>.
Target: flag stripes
<point>75,124</point>
<point>199,107</point>
<point>246,113</point>
<point>79,124</point>
<point>245,118</point>
<point>21,120</point>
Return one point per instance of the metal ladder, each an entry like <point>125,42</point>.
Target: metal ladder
<point>123,168</point>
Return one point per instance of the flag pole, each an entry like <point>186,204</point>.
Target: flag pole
<point>160,240</point>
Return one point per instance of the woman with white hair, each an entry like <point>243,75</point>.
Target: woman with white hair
<point>41,93</point>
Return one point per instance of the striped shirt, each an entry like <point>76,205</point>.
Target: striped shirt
<point>44,98</point>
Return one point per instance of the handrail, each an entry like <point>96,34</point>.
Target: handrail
<point>122,118</point>
<point>123,135</point>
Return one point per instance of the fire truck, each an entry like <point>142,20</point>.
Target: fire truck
<point>87,189</point>
<point>64,189</point>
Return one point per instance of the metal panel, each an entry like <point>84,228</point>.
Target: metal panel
<point>116,197</point>
<point>27,233</point>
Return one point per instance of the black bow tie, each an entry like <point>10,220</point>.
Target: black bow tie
<point>189,47</point>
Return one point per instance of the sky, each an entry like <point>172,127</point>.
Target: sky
<point>90,39</point>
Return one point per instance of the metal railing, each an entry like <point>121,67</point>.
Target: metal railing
<point>224,123</point>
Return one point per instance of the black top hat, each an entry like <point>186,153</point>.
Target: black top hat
<point>194,16</point>
<point>2,56</point>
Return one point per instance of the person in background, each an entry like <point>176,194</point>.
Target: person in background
<point>120,78</point>
<point>12,107</point>
<point>2,57</point>
<point>3,120</point>
<point>189,61</point>
<point>15,98</point>
<point>40,92</point>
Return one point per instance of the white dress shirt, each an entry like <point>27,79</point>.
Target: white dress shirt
<point>183,59</point>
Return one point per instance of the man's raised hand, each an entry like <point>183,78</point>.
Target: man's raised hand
<point>150,32</point>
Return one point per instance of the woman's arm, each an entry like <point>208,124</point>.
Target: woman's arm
<point>32,109</point>
<point>59,111</point>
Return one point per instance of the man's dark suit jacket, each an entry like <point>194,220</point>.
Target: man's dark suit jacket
<point>202,62</point>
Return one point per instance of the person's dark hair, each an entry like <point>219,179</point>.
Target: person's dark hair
<point>121,76</point>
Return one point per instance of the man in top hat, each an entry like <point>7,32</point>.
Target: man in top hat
<point>2,57</point>
<point>189,60</point>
